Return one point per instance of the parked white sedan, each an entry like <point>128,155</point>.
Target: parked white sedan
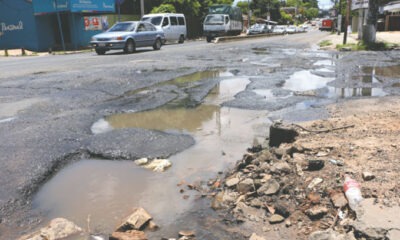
<point>128,36</point>
<point>279,29</point>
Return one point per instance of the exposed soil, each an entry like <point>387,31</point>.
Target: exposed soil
<point>359,136</point>
<point>372,145</point>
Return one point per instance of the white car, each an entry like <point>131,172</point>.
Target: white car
<point>128,36</point>
<point>172,24</point>
<point>291,29</point>
<point>279,29</point>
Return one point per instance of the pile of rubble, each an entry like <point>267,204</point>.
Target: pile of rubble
<point>289,185</point>
<point>132,228</point>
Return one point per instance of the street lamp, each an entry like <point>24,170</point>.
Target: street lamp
<point>248,14</point>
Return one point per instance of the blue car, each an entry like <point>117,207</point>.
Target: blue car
<point>128,36</point>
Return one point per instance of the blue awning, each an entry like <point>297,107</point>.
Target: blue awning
<point>51,6</point>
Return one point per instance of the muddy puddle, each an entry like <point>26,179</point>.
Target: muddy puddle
<point>106,191</point>
<point>103,192</point>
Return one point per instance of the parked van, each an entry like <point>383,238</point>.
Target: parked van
<point>172,24</point>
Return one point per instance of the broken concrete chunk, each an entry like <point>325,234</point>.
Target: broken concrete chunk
<point>315,164</point>
<point>315,182</point>
<point>136,221</point>
<point>156,165</point>
<point>278,133</point>
<point>128,235</point>
<point>269,188</point>
<point>338,199</point>
<point>245,186</point>
<point>367,176</point>
<point>186,233</point>
<point>256,237</point>
<point>276,218</point>
<point>316,212</point>
<point>281,167</point>
<point>231,182</point>
<point>58,228</point>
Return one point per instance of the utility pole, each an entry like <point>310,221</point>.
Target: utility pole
<point>248,14</point>
<point>141,8</point>
<point>346,25</point>
<point>339,18</point>
<point>60,26</point>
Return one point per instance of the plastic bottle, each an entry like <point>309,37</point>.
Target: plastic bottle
<point>352,190</point>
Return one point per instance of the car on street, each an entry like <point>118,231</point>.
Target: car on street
<point>291,29</point>
<point>128,36</point>
<point>259,29</point>
<point>279,29</point>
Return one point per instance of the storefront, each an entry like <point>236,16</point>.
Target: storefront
<point>40,25</point>
<point>392,16</point>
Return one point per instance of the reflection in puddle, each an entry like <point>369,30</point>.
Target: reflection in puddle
<point>305,80</point>
<point>187,79</point>
<point>390,71</point>
<point>355,92</point>
<point>107,190</point>
<point>176,118</point>
<point>324,63</point>
<point>189,119</point>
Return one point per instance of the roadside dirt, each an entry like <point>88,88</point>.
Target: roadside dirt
<point>294,190</point>
<point>372,145</point>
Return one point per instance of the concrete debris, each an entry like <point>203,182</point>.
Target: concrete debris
<point>314,183</point>
<point>256,237</point>
<point>57,229</point>
<point>156,165</point>
<point>136,221</point>
<point>128,235</point>
<point>367,176</point>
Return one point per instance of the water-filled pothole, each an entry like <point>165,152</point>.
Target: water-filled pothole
<point>387,71</point>
<point>304,80</point>
<point>107,190</point>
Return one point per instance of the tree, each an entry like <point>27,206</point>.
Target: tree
<point>164,8</point>
<point>311,13</point>
<point>369,30</point>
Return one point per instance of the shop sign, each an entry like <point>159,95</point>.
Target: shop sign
<point>4,27</point>
<point>50,6</point>
<point>359,4</point>
<point>95,23</point>
<point>92,5</point>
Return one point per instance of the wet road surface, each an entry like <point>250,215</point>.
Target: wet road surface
<point>64,119</point>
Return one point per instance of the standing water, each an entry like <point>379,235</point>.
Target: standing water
<point>103,192</point>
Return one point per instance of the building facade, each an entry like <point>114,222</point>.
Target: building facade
<point>41,25</point>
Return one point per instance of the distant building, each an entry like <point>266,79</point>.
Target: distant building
<point>392,16</point>
<point>40,25</point>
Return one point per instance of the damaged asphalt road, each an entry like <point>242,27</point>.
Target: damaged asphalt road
<point>49,104</point>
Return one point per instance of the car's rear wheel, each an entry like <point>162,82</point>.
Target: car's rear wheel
<point>209,39</point>
<point>157,44</point>
<point>181,39</point>
<point>100,51</point>
<point>130,46</point>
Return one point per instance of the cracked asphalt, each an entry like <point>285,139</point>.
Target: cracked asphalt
<point>49,103</point>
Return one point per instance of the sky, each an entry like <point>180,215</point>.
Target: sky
<point>323,4</point>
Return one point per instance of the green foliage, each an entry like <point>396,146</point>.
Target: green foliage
<point>325,43</point>
<point>362,46</point>
<point>243,6</point>
<point>285,18</point>
<point>311,13</point>
<point>164,8</point>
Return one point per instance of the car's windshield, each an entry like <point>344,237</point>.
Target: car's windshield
<point>122,27</point>
<point>154,20</point>
<point>214,19</point>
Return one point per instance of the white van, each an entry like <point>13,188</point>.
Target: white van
<point>173,25</point>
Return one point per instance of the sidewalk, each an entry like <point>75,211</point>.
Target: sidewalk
<point>18,52</point>
<point>388,37</point>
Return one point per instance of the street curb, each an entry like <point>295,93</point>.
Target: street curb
<point>241,37</point>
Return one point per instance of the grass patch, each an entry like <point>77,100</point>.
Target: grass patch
<point>325,43</point>
<point>361,46</point>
